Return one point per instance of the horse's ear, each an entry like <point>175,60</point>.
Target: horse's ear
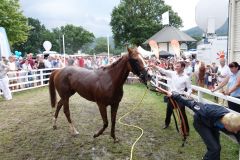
<point>129,50</point>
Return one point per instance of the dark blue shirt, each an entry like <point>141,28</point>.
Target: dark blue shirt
<point>209,114</point>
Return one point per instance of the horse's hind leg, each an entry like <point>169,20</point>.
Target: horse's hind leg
<point>67,114</point>
<point>59,106</point>
<point>114,109</point>
<point>103,112</point>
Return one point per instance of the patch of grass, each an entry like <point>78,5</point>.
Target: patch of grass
<point>26,130</point>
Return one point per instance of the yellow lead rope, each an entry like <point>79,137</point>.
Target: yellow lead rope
<point>129,125</point>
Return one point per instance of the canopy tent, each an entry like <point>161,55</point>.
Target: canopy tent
<point>144,53</point>
<point>170,33</point>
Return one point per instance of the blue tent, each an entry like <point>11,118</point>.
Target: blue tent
<point>4,44</point>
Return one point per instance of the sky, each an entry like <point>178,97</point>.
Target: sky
<point>186,10</point>
<point>93,15</point>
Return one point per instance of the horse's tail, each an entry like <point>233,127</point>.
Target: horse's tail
<point>52,89</point>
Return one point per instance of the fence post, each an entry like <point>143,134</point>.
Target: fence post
<point>41,77</point>
<point>200,96</point>
<point>156,81</point>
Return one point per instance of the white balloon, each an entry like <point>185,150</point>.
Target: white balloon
<point>47,45</point>
<point>211,9</point>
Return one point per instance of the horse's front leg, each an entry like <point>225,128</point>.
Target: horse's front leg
<point>103,112</point>
<point>114,109</point>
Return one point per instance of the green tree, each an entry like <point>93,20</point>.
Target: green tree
<point>75,37</point>
<point>88,48</point>
<point>119,49</point>
<point>101,45</point>
<point>37,35</point>
<point>13,20</point>
<point>134,21</point>
<point>54,38</point>
<point>193,45</point>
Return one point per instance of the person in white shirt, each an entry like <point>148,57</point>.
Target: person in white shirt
<point>26,66</point>
<point>180,83</point>
<point>12,67</point>
<point>188,68</point>
<point>88,64</point>
<point>47,62</point>
<point>223,72</point>
<point>4,81</point>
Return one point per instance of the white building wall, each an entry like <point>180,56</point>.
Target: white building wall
<point>166,47</point>
<point>234,31</point>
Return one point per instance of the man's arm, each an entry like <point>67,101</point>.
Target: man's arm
<point>222,84</point>
<point>190,103</point>
<point>168,73</point>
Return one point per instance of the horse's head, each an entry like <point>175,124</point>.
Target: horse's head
<point>138,66</point>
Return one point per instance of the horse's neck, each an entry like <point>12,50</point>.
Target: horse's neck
<point>120,72</point>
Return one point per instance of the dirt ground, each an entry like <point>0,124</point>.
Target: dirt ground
<point>26,131</point>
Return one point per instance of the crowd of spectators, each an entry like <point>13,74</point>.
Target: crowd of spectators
<point>55,61</point>
<point>29,66</point>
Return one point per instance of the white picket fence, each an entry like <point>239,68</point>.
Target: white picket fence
<point>25,80</point>
<point>201,91</point>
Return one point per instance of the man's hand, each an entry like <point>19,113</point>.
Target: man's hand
<point>188,96</point>
<point>152,65</point>
<point>226,93</point>
<point>213,90</point>
<point>169,94</point>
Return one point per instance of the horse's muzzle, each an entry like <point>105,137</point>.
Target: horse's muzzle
<point>145,77</point>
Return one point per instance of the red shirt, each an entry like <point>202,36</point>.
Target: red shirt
<point>31,62</point>
<point>81,62</point>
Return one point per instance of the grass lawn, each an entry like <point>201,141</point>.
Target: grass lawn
<point>26,131</point>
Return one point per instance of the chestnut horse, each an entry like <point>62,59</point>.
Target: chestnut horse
<point>103,86</point>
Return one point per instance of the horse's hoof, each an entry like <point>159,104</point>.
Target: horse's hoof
<point>116,140</point>
<point>95,136</point>
<point>75,134</point>
<point>54,127</point>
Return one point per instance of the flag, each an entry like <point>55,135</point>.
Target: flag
<point>221,55</point>
<point>176,47</point>
<point>154,48</point>
<point>165,18</point>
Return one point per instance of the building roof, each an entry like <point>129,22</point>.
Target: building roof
<point>169,33</point>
